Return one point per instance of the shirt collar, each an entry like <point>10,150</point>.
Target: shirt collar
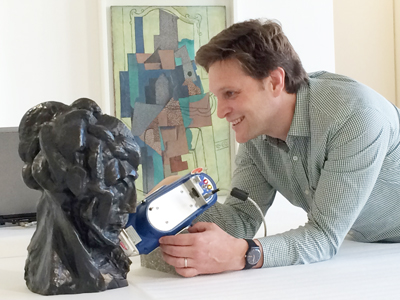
<point>301,122</point>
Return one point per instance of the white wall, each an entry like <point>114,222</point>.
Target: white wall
<point>365,43</point>
<point>49,51</point>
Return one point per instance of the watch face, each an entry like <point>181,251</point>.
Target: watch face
<point>253,256</point>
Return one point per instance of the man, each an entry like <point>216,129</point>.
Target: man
<point>329,144</point>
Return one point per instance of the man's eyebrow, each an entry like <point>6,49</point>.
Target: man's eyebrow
<point>228,88</point>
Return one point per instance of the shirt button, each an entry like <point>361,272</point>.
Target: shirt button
<point>295,158</point>
<point>306,192</point>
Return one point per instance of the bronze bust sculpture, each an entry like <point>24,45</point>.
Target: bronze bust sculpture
<point>85,163</point>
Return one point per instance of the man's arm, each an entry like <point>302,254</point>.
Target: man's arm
<point>218,244</point>
<point>354,156</point>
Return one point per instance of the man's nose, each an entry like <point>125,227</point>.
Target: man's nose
<point>222,108</point>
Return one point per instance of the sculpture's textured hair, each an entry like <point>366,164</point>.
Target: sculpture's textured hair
<point>59,143</point>
<point>260,47</point>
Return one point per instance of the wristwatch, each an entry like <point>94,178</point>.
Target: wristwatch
<point>253,255</point>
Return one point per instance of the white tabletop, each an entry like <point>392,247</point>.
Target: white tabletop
<point>358,271</point>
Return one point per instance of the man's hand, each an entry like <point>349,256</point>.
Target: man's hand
<point>207,249</point>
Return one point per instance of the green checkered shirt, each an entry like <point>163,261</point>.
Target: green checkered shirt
<point>340,163</point>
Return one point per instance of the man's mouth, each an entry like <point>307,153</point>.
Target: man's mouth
<point>237,121</point>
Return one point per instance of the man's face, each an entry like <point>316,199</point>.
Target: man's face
<point>245,102</point>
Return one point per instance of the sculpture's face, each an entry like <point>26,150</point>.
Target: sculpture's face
<point>108,212</point>
<point>123,203</point>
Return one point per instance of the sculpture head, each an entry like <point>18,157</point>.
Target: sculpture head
<point>85,163</point>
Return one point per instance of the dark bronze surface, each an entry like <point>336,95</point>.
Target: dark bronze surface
<point>85,163</point>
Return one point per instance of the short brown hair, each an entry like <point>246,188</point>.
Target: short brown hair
<point>260,47</point>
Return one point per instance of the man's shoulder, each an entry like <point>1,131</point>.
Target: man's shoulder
<point>326,77</point>
<point>333,99</point>
<point>338,94</point>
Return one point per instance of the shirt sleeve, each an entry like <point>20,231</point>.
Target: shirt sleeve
<point>240,218</point>
<point>355,152</point>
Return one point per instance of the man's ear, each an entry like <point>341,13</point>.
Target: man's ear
<point>277,81</point>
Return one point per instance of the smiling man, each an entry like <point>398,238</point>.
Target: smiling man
<point>327,143</point>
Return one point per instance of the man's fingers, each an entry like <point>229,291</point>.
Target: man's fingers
<point>201,227</point>
<point>187,272</point>
<point>177,240</point>
<point>177,251</point>
<point>188,239</point>
<point>177,262</point>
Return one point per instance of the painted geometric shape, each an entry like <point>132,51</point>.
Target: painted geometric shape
<point>143,115</point>
<point>174,145</point>
<point>126,108</point>
<point>163,92</point>
<point>200,112</point>
<point>139,39</point>
<point>169,133</point>
<point>193,89</point>
<point>152,66</point>
<point>154,58</point>
<point>177,79</point>
<point>152,138</point>
<point>168,38</point>
<point>167,58</point>
<point>174,115</point>
<point>163,118</point>
<point>177,164</point>
<point>142,57</point>
<point>188,70</point>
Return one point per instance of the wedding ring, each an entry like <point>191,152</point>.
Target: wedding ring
<point>185,262</point>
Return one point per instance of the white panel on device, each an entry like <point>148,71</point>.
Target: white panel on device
<point>169,210</point>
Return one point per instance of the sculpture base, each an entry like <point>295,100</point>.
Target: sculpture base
<point>155,261</point>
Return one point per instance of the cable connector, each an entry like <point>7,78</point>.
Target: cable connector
<point>208,195</point>
<point>215,191</point>
<point>240,194</point>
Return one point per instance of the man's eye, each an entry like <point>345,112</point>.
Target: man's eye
<point>229,94</point>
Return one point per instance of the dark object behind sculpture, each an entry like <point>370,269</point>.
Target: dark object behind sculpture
<point>85,163</point>
<point>17,201</point>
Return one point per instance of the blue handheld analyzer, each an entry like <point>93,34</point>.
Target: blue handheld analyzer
<point>168,211</point>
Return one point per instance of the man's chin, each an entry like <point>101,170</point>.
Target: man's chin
<point>242,139</point>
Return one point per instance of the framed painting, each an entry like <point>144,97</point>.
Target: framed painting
<point>163,96</point>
